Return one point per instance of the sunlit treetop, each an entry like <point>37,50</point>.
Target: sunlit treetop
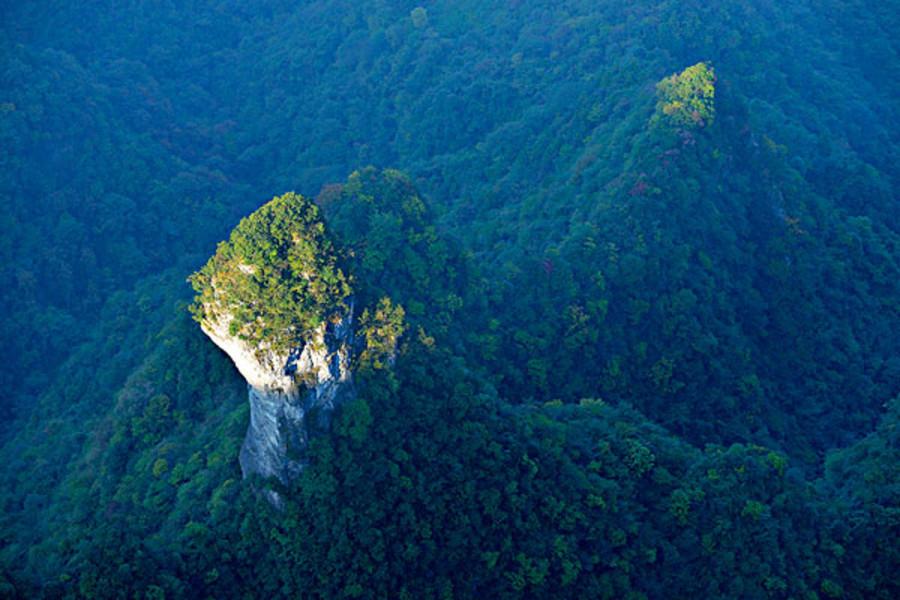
<point>687,99</point>
<point>276,279</point>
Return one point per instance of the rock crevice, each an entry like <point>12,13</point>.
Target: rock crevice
<point>292,394</point>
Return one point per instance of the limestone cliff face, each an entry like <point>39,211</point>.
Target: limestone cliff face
<point>292,394</point>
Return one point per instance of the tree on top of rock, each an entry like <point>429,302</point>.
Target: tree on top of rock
<point>277,277</point>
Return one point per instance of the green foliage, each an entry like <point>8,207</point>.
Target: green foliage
<point>381,330</point>
<point>160,467</point>
<point>153,423</point>
<point>276,279</point>
<point>396,253</point>
<point>356,418</point>
<point>687,99</point>
<point>735,284</point>
<point>681,506</point>
<point>753,509</point>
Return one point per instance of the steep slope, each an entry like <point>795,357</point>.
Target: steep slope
<point>274,299</point>
<point>734,280</point>
<point>713,287</point>
<point>517,119</point>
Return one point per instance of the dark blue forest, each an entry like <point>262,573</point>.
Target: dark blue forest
<point>450,299</point>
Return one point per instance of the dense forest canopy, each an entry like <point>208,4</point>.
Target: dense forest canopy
<point>276,279</point>
<point>626,278</point>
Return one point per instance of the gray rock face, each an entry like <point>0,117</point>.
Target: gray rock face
<point>292,395</point>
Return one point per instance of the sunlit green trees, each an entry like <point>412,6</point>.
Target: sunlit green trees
<point>687,98</point>
<point>381,328</point>
<point>276,278</point>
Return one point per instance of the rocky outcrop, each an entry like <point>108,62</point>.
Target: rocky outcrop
<point>292,394</point>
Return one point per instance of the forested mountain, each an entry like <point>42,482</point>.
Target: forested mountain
<point>625,279</point>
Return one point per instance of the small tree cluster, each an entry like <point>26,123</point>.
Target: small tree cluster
<point>688,98</point>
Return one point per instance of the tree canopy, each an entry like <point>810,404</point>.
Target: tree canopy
<point>277,277</point>
<point>624,333</point>
<point>688,98</point>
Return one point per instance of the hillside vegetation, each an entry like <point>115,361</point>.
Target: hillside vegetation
<point>627,278</point>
